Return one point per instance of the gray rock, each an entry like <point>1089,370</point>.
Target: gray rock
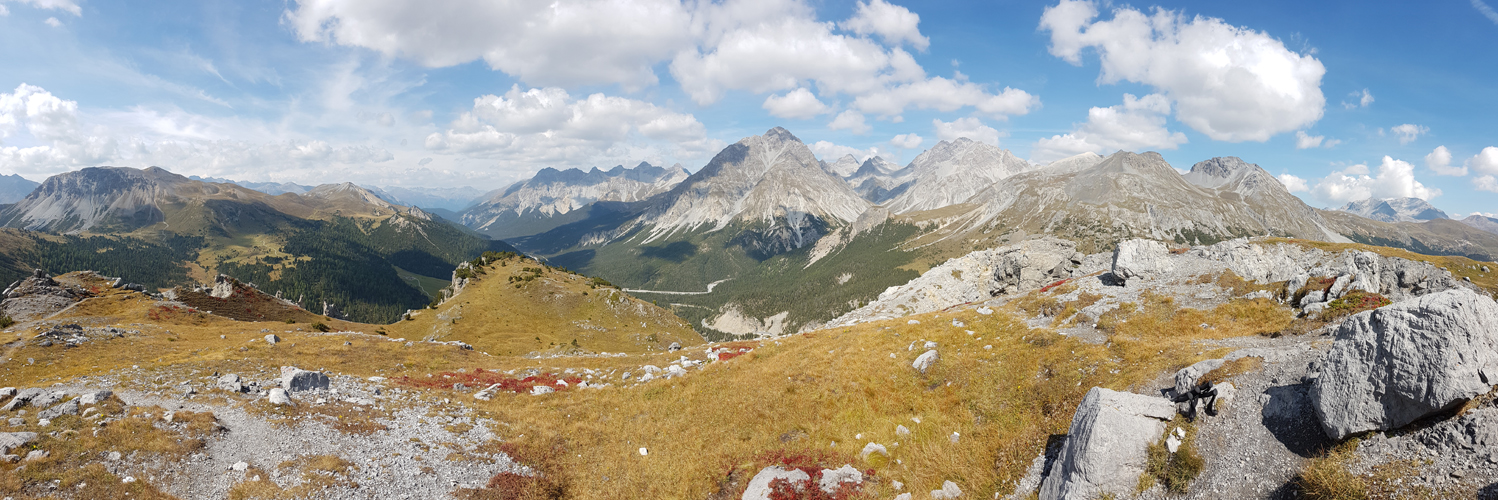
<point>272,339</point>
<point>759,487</point>
<point>1313,297</point>
<point>1105,447</point>
<point>230,383</point>
<point>295,379</point>
<point>948,490</point>
<point>6,392</point>
<point>278,396</point>
<point>925,361</point>
<point>240,466</point>
<point>675,346</point>
<point>94,397</point>
<point>1186,378</point>
<point>47,398</point>
<point>14,440</point>
<point>1391,366</point>
<point>833,479</point>
<point>68,408</point>
<point>37,455</point>
<point>1141,259</point>
<point>542,389</point>
<point>872,448</point>
<point>1314,310</point>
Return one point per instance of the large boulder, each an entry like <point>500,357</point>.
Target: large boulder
<point>1141,259</point>
<point>760,488</point>
<point>15,440</point>
<point>295,379</point>
<point>1397,364</point>
<point>1105,449</point>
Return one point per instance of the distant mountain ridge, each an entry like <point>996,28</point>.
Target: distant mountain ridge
<point>1395,210</point>
<point>552,197</point>
<point>951,172</point>
<point>14,188</point>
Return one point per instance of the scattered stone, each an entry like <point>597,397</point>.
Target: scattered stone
<point>278,397</point>
<point>1186,378</point>
<point>913,322</point>
<point>272,339</point>
<point>675,371</point>
<point>759,487</point>
<point>873,448</point>
<point>985,310</point>
<point>925,361</point>
<point>230,383</point>
<point>1173,443</point>
<point>94,397</point>
<point>644,452</point>
<point>901,431</point>
<point>240,466</point>
<point>22,398</point>
<point>68,408</point>
<point>296,379</point>
<point>948,490</point>
<point>37,455</point>
<point>128,479</point>
<point>541,389</point>
<point>958,324</point>
<point>833,480</point>
<point>675,346</point>
<point>1397,364</point>
<point>1105,448</point>
<point>488,393</point>
<point>13,440</point>
<point>902,496</point>
<point>954,437</point>
<point>114,456</point>
<point>6,392</point>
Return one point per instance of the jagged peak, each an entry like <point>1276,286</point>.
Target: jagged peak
<point>1395,209</point>
<point>781,134</point>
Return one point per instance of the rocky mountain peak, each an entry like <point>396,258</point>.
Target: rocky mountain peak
<point>1220,171</point>
<point>843,167</point>
<point>951,172</point>
<point>1395,210</point>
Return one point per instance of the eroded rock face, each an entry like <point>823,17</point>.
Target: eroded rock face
<point>1391,366</point>
<point>1141,259</point>
<point>294,379</point>
<point>1105,449</point>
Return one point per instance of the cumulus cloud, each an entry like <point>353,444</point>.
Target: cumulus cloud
<point>1395,179</point>
<point>797,104</point>
<point>1358,100</point>
<point>1439,161</point>
<point>1408,132</point>
<point>893,23</point>
<point>53,22</point>
<point>828,151</point>
<point>851,121</point>
<point>1486,183</point>
<point>942,94</point>
<point>1307,141</point>
<point>971,128</point>
<point>1137,124</point>
<point>907,141</point>
<point>547,125</point>
<point>68,6</point>
<point>1293,184</point>
<point>1485,162</point>
<point>1232,84</point>
<point>564,43</point>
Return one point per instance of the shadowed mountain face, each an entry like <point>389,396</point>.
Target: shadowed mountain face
<point>13,188</point>
<point>1395,210</point>
<point>1484,223</point>
<point>556,197</point>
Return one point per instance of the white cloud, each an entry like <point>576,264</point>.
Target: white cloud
<point>906,141</point>
<point>1486,183</point>
<point>942,94</point>
<point>797,104</point>
<point>563,43</point>
<point>828,151</point>
<point>1485,161</point>
<point>1359,100</point>
<point>1293,184</point>
<point>1137,124</point>
<point>1232,84</point>
<point>53,22</point>
<point>1395,179</point>
<point>43,115</point>
<point>541,126</point>
<point>1439,161</point>
<point>850,120</point>
<point>1307,141</point>
<point>971,128</point>
<point>1485,10</point>
<point>893,23</point>
<point>68,6</point>
<point>1409,132</point>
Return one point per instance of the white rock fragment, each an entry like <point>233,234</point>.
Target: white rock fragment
<point>925,361</point>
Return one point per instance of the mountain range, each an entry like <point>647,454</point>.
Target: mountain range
<point>764,239</point>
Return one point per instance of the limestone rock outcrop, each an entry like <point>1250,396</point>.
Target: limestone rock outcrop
<point>1105,449</point>
<point>1140,258</point>
<point>1394,365</point>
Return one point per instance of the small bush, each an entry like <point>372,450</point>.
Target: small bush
<point>320,327</point>
<point>5,322</point>
<point>1327,477</point>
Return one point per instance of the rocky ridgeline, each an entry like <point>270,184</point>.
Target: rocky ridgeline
<point>240,301</point>
<point>40,295</point>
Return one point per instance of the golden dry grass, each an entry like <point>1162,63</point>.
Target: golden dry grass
<point>502,313</point>
<point>76,450</point>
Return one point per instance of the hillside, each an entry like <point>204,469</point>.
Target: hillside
<point>512,305</point>
<point>556,197</point>
<point>336,243</point>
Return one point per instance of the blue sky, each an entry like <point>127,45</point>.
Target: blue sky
<point>1344,100</point>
